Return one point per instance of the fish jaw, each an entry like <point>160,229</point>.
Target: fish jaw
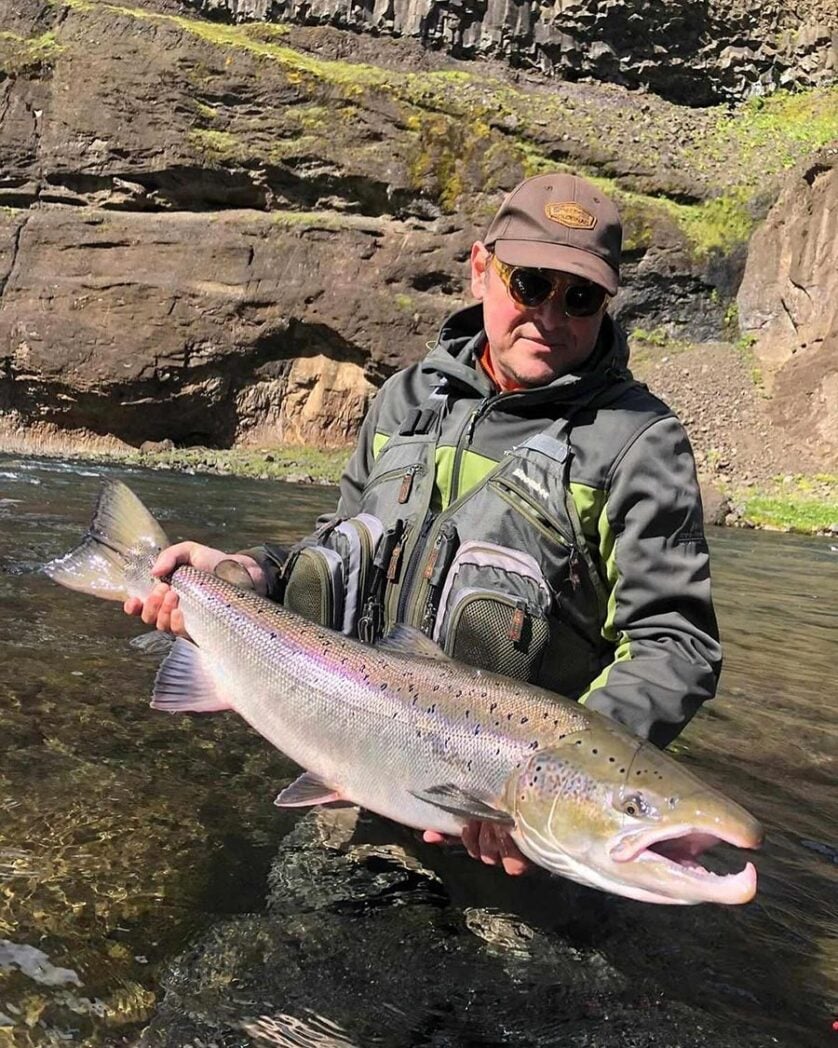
<point>581,819</point>
<point>670,853</point>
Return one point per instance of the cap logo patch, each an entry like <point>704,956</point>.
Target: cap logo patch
<point>572,215</point>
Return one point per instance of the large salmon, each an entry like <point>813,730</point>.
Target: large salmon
<point>404,731</point>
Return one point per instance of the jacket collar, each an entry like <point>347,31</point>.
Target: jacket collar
<point>461,337</point>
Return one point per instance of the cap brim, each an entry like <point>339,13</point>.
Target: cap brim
<point>539,255</point>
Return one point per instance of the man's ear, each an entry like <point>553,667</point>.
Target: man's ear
<point>480,259</point>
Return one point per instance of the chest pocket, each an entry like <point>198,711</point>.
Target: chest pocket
<point>328,582</point>
<point>493,610</point>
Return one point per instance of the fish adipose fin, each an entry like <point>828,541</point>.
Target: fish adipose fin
<point>308,789</point>
<point>183,683</point>
<point>121,533</point>
<point>407,640</point>
<point>452,799</point>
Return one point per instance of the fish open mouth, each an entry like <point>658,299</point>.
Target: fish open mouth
<point>676,856</point>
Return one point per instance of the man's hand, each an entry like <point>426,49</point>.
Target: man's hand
<point>489,843</point>
<point>160,608</point>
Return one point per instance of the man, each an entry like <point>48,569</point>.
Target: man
<point>518,496</point>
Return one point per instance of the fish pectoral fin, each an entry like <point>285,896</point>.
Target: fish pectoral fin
<point>452,799</point>
<point>184,684</point>
<point>407,640</point>
<point>306,790</point>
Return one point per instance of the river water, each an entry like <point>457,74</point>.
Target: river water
<point>125,832</point>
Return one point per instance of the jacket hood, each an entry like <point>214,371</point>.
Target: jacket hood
<point>461,338</point>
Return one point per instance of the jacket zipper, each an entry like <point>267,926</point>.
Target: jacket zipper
<point>466,436</point>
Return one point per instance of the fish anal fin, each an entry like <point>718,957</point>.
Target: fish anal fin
<point>184,684</point>
<point>407,640</point>
<point>468,806</point>
<point>307,790</point>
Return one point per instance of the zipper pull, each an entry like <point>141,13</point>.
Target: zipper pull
<point>516,622</point>
<point>440,555</point>
<point>395,559</point>
<point>407,485</point>
<point>573,568</point>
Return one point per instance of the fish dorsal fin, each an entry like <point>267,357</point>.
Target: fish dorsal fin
<point>184,684</point>
<point>306,790</point>
<point>407,640</point>
<point>236,574</point>
<point>453,799</point>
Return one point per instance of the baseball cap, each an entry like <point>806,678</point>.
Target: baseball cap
<point>559,221</point>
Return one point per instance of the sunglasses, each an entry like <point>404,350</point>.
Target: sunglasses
<point>533,287</point>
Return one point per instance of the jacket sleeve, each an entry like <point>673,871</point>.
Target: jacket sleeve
<point>660,616</point>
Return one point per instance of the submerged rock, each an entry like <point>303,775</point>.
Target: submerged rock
<point>362,944</point>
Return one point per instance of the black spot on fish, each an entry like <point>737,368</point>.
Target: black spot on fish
<point>611,760</point>
<point>524,720</point>
<point>594,750</point>
<point>493,707</point>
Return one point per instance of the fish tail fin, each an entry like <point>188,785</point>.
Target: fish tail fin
<point>114,557</point>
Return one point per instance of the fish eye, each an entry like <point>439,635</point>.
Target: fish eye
<point>634,805</point>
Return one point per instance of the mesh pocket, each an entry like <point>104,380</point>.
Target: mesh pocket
<point>498,633</point>
<point>328,582</point>
<point>315,586</point>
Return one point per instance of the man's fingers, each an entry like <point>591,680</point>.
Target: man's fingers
<point>171,556</point>
<point>176,624</point>
<point>435,837</point>
<point>132,606</point>
<point>512,860</point>
<point>153,603</point>
<point>489,844</point>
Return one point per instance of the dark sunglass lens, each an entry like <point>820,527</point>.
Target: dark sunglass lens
<point>583,300</point>
<point>529,287</point>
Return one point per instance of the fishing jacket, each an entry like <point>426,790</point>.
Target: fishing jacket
<point>554,534</point>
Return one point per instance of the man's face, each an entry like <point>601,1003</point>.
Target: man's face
<point>530,346</point>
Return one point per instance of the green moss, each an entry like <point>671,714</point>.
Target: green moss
<point>657,337</point>
<point>216,145</point>
<point>715,225</point>
<point>323,466</point>
<point>804,515</point>
<point>20,55</point>
<point>770,134</point>
<point>327,220</point>
<point>206,112</point>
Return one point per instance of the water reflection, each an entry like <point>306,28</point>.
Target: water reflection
<point>124,832</point>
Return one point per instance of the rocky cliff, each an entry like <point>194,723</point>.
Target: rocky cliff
<point>694,53</point>
<point>219,233</point>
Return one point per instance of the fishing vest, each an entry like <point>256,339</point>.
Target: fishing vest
<point>502,578</point>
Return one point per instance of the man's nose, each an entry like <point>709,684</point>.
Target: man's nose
<point>551,314</point>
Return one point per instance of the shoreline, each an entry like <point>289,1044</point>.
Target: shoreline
<point>801,504</point>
